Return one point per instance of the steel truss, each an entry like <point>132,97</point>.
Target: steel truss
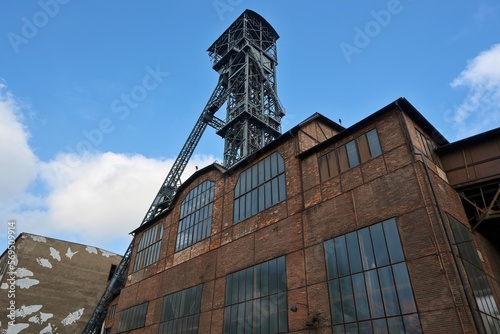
<point>246,51</point>
<point>245,57</point>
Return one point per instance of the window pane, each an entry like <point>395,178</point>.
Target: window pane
<point>255,205</point>
<point>365,327</point>
<point>364,151</point>
<point>282,187</point>
<point>393,242</point>
<point>268,193</point>
<point>379,326</point>
<point>353,250</point>
<point>341,252</point>
<point>347,299</point>
<point>365,245</point>
<point>274,165</point>
<point>275,190</point>
<point>379,246</point>
<point>281,274</point>
<point>331,260</point>
<point>412,324</point>
<point>335,302</point>
<point>403,287</point>
<point>359,289</point>
<point>351,328</point>
<point>343,162</point>
<point>333,167</point>
<point>352,154</point>
<point>323,168</point>
<point>283,312</point>
<point>262,197</point>
<point>374,296</point>
<point>374,143</point>
<point>388,291</point>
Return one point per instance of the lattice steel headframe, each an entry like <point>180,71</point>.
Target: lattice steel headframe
<point>246,55</point>
<point>245,58</point>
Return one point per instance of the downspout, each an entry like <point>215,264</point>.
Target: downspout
<point>463,281</point>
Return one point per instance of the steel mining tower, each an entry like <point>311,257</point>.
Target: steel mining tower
<point>245,57</point>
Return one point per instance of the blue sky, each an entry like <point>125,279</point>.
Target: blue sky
<point>82,163</point>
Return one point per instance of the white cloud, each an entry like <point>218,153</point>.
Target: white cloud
<point>480,110</point>
<point>93,198</point>
<point>18,167</point>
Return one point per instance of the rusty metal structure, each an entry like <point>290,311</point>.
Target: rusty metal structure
<point>245,57</point>
<point>472,166</point>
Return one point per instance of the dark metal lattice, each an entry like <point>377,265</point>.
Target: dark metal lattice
<point>245,57</point>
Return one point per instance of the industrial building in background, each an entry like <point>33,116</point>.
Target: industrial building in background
<point>51,286</point>
<point>380,227</point>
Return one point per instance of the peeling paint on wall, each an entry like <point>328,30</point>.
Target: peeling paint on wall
<point>54,253</point>
<point>23,272</point>
<point>27,310</point>
<point>69,254</point>
<point>26,283</point>
<point>72,317</point>
<point>44,262</point>
<point>38,238</point>
<point>40,319</point>
<point>48,330</point>
<point>54,301</point>
<point>17,328</point>
<point>91,250</point>
<point>107,254</point>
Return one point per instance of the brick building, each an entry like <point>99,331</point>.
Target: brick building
<point>383,226</point>
<point>50,286</point>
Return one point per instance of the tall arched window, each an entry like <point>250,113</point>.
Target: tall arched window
<point>260,187</point>
<point>195,222</point>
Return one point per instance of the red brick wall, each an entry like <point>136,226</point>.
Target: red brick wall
<point>391,185</point>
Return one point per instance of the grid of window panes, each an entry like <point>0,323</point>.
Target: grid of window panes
<point>368,281</point>
<point>132,318</point>
<point>181,311</point>
<point>256,299</point>
<point>428,147</point>
<point>359,150</point>
<point>477,277</point>
<point>195,222</point>
<point>260,187</point>
<point>148,251</point>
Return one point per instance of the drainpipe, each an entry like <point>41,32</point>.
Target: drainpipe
<point>463,281</point>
